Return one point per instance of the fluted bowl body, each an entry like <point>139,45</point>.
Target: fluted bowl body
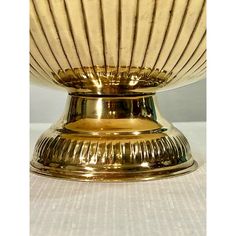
<point>117,47</point>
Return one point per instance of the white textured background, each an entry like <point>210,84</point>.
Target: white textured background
<point>183,104</point>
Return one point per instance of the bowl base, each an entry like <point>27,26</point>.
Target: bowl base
<point>112,139</point>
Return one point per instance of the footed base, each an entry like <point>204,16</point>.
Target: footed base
<point>112,139</point>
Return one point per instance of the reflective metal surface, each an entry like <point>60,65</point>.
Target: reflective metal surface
<point>111,57</point>
<point>112,139</point>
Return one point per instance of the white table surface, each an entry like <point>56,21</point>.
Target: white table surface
<point>174,206</point>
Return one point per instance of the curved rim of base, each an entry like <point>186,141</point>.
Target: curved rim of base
<point>154,174</point>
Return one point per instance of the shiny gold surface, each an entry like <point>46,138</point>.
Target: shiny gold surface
<point>108,81</point>
<point>112,139</point>
<point>111,57</point>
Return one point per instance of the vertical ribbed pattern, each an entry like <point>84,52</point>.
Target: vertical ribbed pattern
<point>159,152</point>
<point>74,40</point>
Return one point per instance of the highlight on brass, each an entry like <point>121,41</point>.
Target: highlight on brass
<point>111,57</point>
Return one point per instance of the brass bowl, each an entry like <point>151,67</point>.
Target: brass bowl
<point>111,57</point>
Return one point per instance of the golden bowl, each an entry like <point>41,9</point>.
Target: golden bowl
<point>111,57</point>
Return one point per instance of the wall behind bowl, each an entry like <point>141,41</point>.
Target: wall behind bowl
<point>183,104</point>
